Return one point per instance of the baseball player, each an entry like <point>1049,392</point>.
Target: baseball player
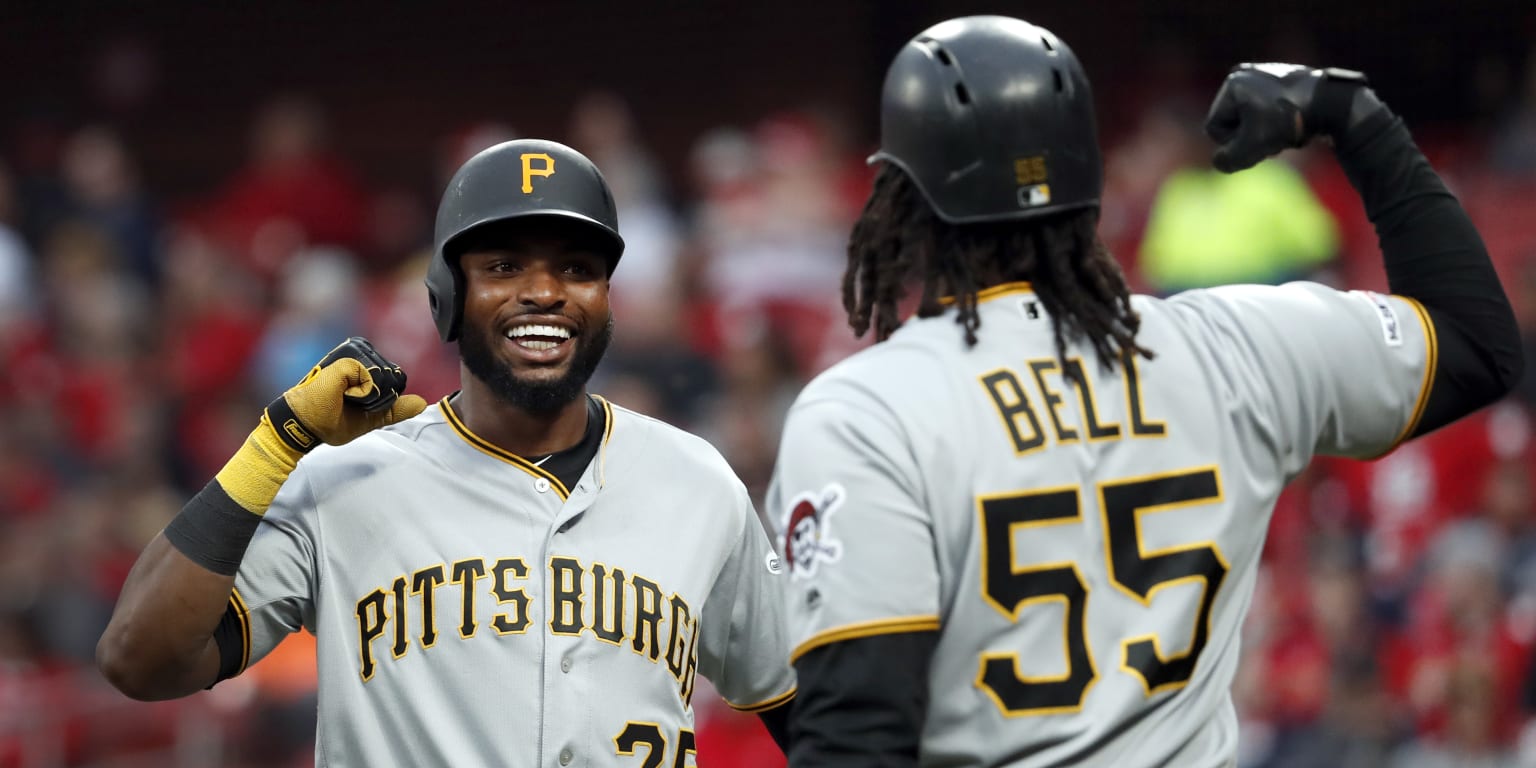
<point>1023,530</point>
<point>523,574</point>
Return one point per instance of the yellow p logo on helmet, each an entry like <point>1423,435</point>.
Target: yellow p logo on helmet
<point>529,171</point>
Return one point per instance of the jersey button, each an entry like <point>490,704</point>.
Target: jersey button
<point>565,757</point>
<point>565,664</point>
<point>541,485</point>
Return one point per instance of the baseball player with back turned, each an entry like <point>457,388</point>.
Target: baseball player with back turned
<point>1023,530</point>
<point>522,575</point>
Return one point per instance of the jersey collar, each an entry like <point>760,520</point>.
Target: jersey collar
<point>994,292</point>
<point>486,447</point>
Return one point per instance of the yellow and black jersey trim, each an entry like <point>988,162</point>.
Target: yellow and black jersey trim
<point>1431,365</point>
<point>768,704</point>
<point>602,450</point>
<point>484,446</point>
<point>233,637</point>
<point>243,618</point>
<point>995,292</point>
<point>607,416</point>
<point>865,629</point>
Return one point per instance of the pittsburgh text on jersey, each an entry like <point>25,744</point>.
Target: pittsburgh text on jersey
<point>617,608</point>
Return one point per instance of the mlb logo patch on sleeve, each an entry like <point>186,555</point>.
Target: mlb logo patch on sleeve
<point>1391,328</point>
<point>808,540</point>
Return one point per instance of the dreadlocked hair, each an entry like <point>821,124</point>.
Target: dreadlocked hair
<point>899,240</point>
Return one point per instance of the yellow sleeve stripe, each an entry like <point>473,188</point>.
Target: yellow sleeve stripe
<point>865,629</point>
<point>1431,363</point>
<point>243,617</point>
<point>768,704</point>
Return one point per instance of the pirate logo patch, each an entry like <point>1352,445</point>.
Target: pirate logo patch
<point>807,532</point>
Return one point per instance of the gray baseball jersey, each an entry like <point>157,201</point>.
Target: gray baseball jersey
<point>470,610</point>
<point>1087,553</point>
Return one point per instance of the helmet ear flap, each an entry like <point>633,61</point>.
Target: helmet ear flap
<point>445,289</point>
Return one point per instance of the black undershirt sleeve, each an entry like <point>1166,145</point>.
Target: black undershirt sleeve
<point>233,638</point>
<point>776,720</point>
<point>861,703</point>
<point>1433,253</point>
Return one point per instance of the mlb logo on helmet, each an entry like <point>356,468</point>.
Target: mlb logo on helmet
<point>1031,174</point>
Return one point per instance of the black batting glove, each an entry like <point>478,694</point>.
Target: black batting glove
<point>387,378</point>
<point>1263,109</point>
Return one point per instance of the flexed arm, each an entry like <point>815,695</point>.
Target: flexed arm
<point>1430,248</point>
<point>160,642</point>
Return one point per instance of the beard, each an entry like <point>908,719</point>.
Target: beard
<point>533,396</point>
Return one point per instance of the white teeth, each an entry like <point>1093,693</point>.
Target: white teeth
<point>537,345</point>
<point>538,330</point>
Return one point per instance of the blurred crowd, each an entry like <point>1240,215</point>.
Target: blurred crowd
<point>140,336</point>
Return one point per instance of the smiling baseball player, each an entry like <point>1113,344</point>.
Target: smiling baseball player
<point>521,575</point>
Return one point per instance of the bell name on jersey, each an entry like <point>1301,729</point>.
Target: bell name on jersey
<point>1031,400</point>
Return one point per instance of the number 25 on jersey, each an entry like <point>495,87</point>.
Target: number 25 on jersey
<point>1132,569</point>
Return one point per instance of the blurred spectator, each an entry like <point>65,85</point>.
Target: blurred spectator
<point>104,191</point>
<point>210,323</point>
<point>774,237</point>
<point>1507,509</point>
<point>293,190</point>
<point>1471,738</point>
<point>759,383</point>
<point>43,201</point>
<point>398,322</point>
<point>1359,729</point>
<point>603,129</point>
<point>1459,616</point>
<point>1263,225</point>
<point>1134,169</point>
<point>1512,148</point>
<point>99,330</point>
<point>653,359</point>
<point>1402,499</point>
<point>399,226</point>
<point>318,305</point>
<point>15,261</point>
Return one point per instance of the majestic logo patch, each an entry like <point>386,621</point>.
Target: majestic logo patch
<point>775,566</point>
<point>1391,328</point>
<point>807,531</point>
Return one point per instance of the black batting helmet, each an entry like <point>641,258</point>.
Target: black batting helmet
<point>992,118</point>
<point>514,180</point>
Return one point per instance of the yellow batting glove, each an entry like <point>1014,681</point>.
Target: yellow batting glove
<point>351,392</point>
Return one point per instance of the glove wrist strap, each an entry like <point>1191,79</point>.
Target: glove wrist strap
<point>1333,103</point>
<point>288,428</point>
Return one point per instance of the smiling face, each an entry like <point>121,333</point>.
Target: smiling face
<point>536,319</point>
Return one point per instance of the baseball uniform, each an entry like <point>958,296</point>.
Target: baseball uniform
<point>1086,553</point>
<point>472,610</point>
